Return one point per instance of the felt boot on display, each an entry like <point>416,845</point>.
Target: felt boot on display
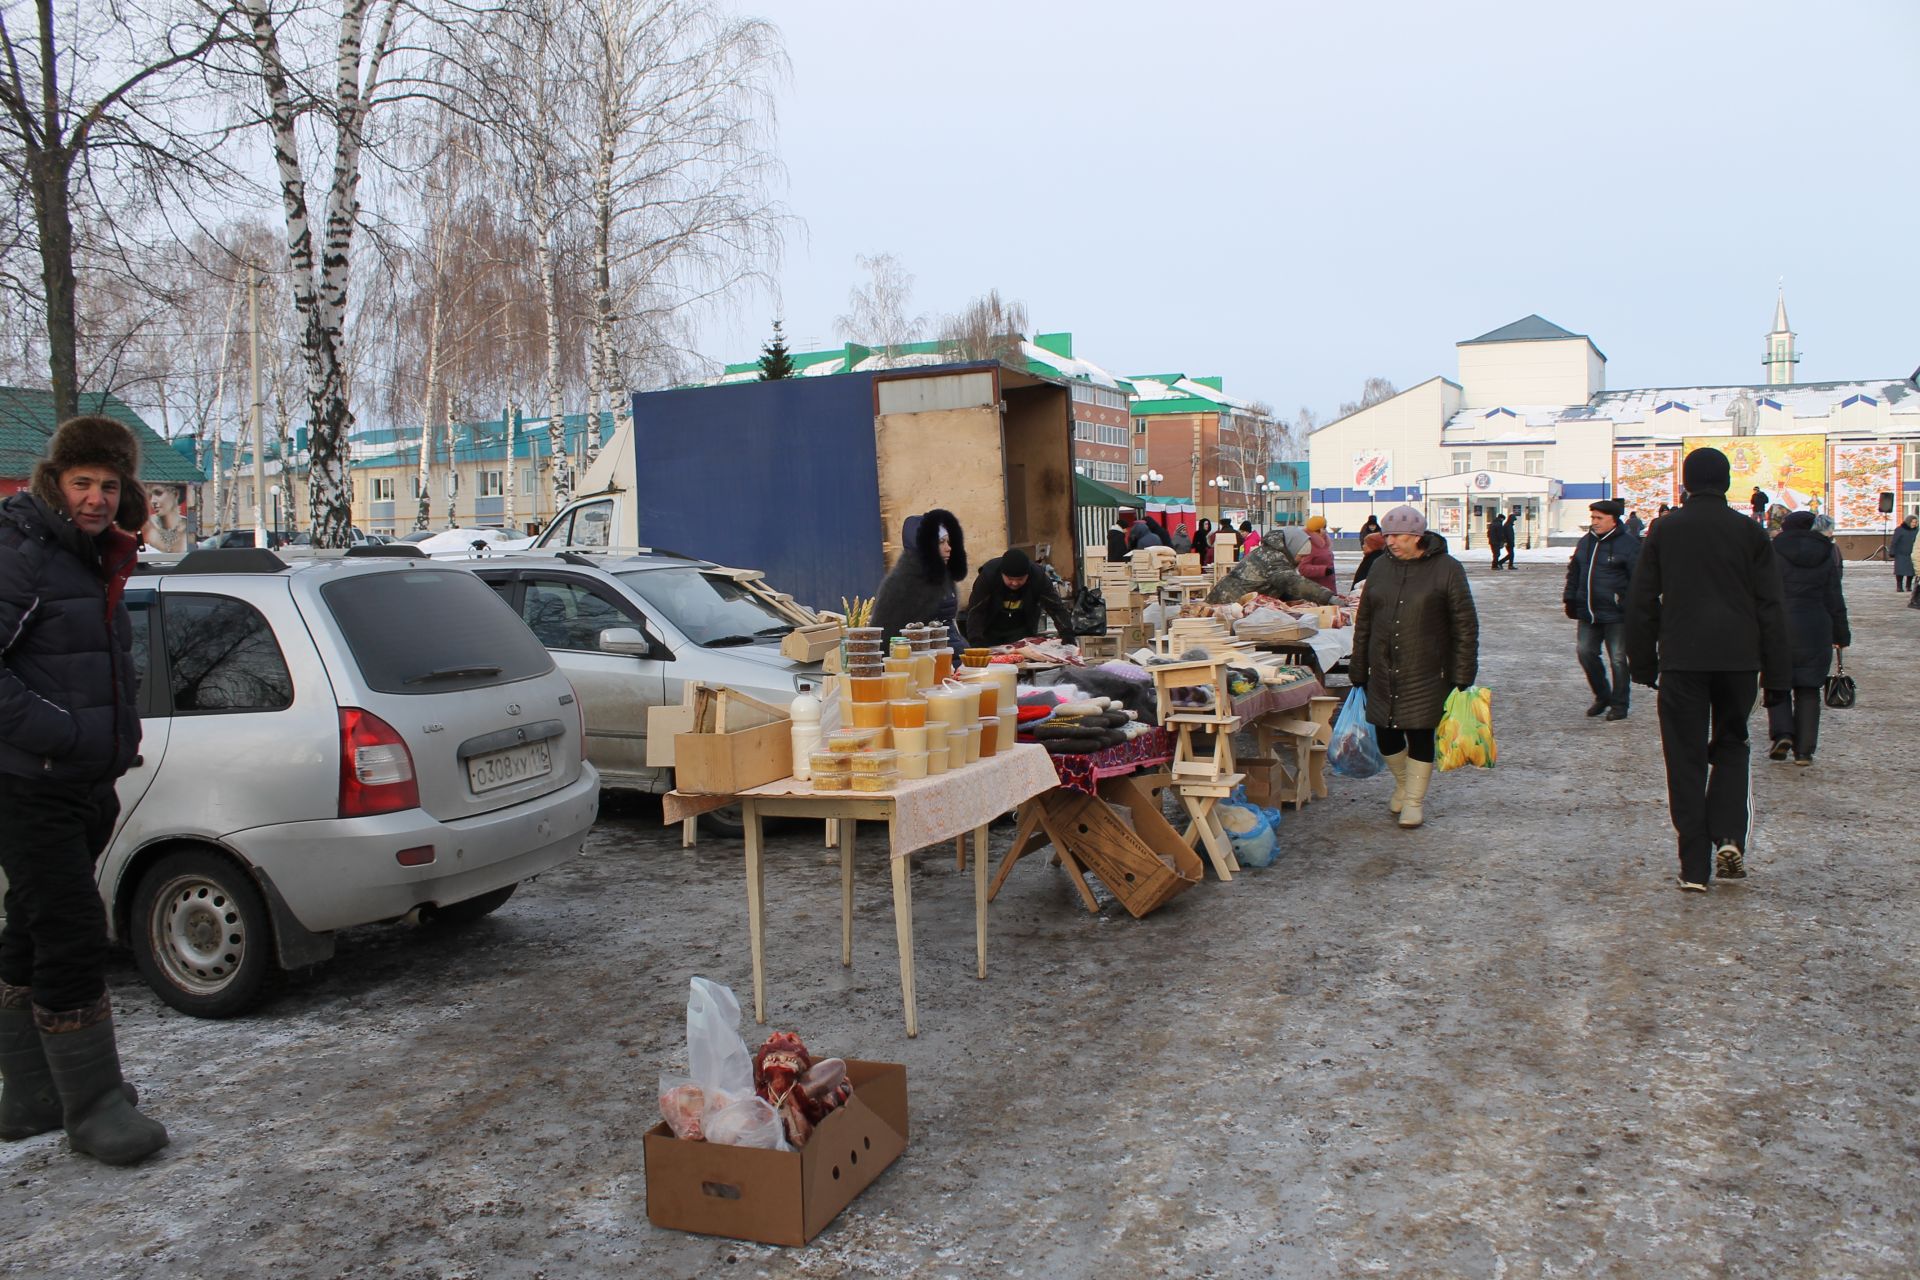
<point>1419,774</point>
<point>29,1105</point>
<point>85,1065</point>
<point>1398,763</point>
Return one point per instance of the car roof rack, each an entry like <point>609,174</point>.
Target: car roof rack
<point>388,550</point>
<point>230,560</point>
<point>574,555</point>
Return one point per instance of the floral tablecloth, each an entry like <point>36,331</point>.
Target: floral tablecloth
<point>1082,773</point>
<point>1269,698</point>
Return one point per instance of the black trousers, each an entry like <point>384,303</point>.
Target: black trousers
<point>1504,549</point>
<point>55,939</point>
<point>1798,719</point>
<point>1417,743</point>
<point>1703,733</point>
<point>1587,644</point>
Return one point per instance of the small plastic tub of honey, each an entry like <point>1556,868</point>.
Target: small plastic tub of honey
<point>875,781</point>
<point>973,743</point>
<point>899,647</point>
<point>899,684</point>
<point>909,713</point>
<point>942,664</point>
<point>869,715</point>
<point>956,746</point>
<point>989,697</point>
<point>937,761</point>
<point>989,736</point>
<point>907,738</point>
<point>913,765</point>
<point>851,740</point>
<point>833,782</point>
<point>830,762</point>
<point>886,761</point>
<point>869,689</point>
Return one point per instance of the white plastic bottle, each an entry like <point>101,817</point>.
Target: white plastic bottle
<point>805,714</point>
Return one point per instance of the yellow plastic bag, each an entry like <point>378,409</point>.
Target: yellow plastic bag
<point>1465,735</point>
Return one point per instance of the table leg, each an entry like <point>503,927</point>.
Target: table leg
<point>689,832</point>
<point>833,832</point>
<point>1206,828</point>
<point>903,930</point>
<point>980,896</point>
<point>846,832</point>
<point>960,853</point>
<point>756,908</point>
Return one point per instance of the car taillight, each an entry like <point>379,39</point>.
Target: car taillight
<point>376,769</point>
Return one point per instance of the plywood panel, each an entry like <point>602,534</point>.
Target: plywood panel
<point>944,458</point>
<point>1039,437</point>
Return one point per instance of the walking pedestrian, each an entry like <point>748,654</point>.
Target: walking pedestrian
<point>1317,564</point>
<point>1496,536</point>
<point>1704,618</point>
<point>1635,525</point>
<point>1507,532</point>
<point>69,727</point>
<point>1902,548</point>
<point>1416,637</point>
<point>1373,546</point>
<point>1598,576</point>
<point>1816,626</point>
<point>1759,501</point>
<point>924,584</point>
<point>1370,525</point>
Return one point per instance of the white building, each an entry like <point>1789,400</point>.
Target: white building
<point>1531,427</point>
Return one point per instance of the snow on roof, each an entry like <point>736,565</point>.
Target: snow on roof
<point>1802,399</point>
<point>1069,366</point>
<point>1516,424</point>
<point>1148,387</point>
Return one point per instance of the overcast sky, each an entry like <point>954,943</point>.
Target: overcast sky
<point>1298,196</point>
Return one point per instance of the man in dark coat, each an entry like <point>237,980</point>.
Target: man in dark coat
<point>1816,626</point>
<point>1704,617</point>
<point>1416,638</point>
<point>923,585</point>
<point>69,727</point>
<point>1758,500</point>
<point>1496,536</point>
<point>1008,599</point>
<point>1598,576</point>
<point>1273,569</point>
<point>1901,549</point>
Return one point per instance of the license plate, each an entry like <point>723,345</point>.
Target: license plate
<point>499,769</point>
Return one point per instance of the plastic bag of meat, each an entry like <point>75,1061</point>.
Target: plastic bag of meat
<point>682,1103</point>
<point>716,1055</point>
<point>750,1122</point>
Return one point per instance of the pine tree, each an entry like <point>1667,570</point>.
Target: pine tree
<point>774,360</point>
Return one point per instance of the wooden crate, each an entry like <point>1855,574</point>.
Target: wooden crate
<point>811,644</point>
<point>715,758</point>
<point>1106,646</point>
<point>1144,867</point>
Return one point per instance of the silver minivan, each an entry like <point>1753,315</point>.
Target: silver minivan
<point>325,744</point>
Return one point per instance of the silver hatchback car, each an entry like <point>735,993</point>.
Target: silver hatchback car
<point>325,744</point>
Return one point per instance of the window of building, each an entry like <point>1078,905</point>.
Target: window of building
<point>1086,430</point>
<point>1910,464</point>
<point>382,488</point>
<point>492,483</point>
<point>422,485</point>
<point>1139,457</point>
<point>1140,484</point>
<point>1113,435</point>
<point>221,656</point>
<point>1110,472</point>
<point>1496,459</point>
<point>526,480</point>
<point>1462,462</point>
<point>1140,426</point>
<point>1535,462</point>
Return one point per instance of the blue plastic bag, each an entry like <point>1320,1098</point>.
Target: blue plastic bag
<point>1253,831</point>
<point>1355,751</point>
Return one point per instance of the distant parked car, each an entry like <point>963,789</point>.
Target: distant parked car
<point>230,539</point>
<point>327,744</point>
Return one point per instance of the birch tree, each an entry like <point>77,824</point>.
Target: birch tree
<point>94,106</point>
<point>877,313</point>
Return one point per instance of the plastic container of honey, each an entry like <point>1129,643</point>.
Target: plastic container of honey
<point>899,684</point>
<point>869,689</point>
<point>922,670</point>
<point>989,736</point>
<point>899,647</point>
<point>830,762</point>
<point>937,761</point>
<point>913,765</point>
<point>909,713</point>
<point>989,696</point>
<point>832,781</point>
<point>882,761</point>
<point>875,781</point>
<point>942,663</point>
<point>869,715</point>
<point>973,743</point>
<point>906,738</point>
<point>956,747</point>
<point>850,740</point>
<point>946,705</point>
<point>1009,728</point>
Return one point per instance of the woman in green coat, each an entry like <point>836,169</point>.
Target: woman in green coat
<point>1416,638</point>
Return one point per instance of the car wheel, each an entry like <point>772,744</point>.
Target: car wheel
<point>201,935</point>
<point>726,823</point>
<point>455,914</point>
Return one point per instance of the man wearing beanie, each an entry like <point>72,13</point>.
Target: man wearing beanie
<point>1008,599</point>
<point>1596,597</point>
<point>1706,625</point>
<point>68,729</point>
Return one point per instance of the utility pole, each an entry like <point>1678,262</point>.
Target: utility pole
<point>510,419</point>
<point>259,409</point>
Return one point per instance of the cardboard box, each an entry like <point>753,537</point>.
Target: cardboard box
<point>781,1197</point>
<point>1266,783</point>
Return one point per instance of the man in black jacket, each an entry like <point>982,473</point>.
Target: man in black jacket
<point>1008,599</point>
<point>1596,598</point>
<point>1704,616</point>
<point>68,728</point>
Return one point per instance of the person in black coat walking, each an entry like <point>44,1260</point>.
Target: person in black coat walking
<point>1902,550</point>
<point>69,727</point>
<point>1704,616</point>
<point>1598,576</point>
<point>1496,537</point>
<point>1816,624</point>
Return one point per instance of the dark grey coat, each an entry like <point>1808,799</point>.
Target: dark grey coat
<point>1902,549</point>
<point>1816,606</point>
<point>920,587</point>
<point>1416,636</point>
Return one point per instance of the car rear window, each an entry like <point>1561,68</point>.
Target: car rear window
<point>432,631</point>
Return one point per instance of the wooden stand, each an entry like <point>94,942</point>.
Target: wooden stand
<point>1203,779</point>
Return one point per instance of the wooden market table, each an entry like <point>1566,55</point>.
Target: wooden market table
<point>918,814</point>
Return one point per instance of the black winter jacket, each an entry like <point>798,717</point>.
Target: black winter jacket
<point>921,588</point>
<point>1706,596</point>
<point>1816,606</point>
<point>1600,573</point>
<point>998,616</point>
<point>1416,636</point>
<point>68,709</point>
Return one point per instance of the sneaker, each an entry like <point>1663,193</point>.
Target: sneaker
<point>1802,761</point>
<point>1692,886</point>
<point>1782,748</point>
<point>1616,713</point>
<point>1729,863</point>
<point>1599,707</point>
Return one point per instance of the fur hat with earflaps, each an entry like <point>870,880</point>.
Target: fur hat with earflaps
<point>93,441</point>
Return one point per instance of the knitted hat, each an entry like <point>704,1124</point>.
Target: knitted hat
<point>1403,519</point>
<point>1706,470</point>
<point>89,441</point>
<point>1316,524</point>
<point>1798,520</point>
<point>1015,564</point>
<point>1609,507</point>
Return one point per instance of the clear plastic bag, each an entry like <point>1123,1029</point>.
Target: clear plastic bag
<point>1253,830</point>
<point>1355,750</point>
<point>717,1058</point>
<point>750,1122</point>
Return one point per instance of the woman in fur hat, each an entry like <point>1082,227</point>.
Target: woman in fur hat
<point>922,585</point>
<point>68,729</point>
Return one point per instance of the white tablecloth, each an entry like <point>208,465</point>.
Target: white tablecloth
<point>1331,645</point>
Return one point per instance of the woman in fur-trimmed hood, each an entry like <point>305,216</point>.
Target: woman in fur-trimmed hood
<point>922,587</point>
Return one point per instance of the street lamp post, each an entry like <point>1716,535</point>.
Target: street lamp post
<point>1153,479</point>
<point>1219,485</point>
<point>274,491</point>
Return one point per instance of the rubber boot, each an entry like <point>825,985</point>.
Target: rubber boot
<point>1398,763</point>
<point>86,1071</point>
<point>29,1105</point>
<point>1419,774</point>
